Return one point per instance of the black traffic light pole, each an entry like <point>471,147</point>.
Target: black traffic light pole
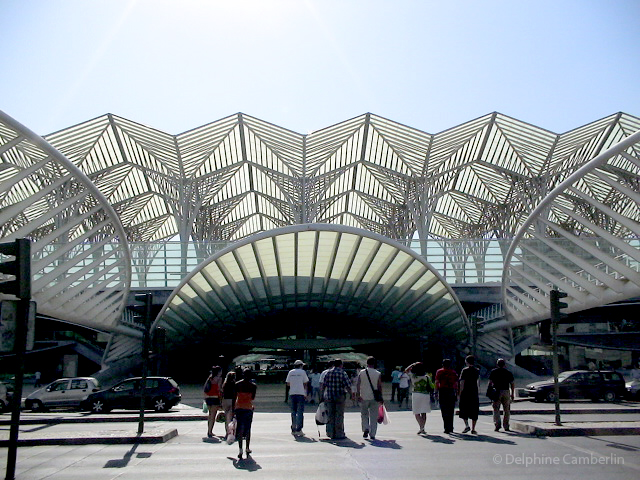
<point>144,314</point>
<point>556,314</point>
<point>20,268</point>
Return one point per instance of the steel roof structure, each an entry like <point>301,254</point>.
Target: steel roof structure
<point>240,177</point>
<point>80,264</point>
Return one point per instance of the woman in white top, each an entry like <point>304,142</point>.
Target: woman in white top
<point>421,395</point>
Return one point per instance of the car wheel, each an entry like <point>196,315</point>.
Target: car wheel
<point>609,396</point>
<point>160,404</point>
<point>37,406</point>
<point>98,406</point>
<point>551,397</point>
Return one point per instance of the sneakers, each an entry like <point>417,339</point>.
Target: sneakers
<point>497,429</point>
<point>422,432</point>
<point>366,434</point>
<point>466,429</point>
<point>507,429</point>
<point>474,432</point>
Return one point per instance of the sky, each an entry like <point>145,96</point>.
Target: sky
<point>308,64</point>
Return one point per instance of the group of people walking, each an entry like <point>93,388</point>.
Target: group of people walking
<point>449,388</point>
<point>235,395</point>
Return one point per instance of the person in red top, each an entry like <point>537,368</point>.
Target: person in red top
<point>447,388</point>
<point>245,394</point>
<point>212,389</point>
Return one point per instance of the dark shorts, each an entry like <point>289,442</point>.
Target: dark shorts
<point>212,401</point>
<point>244,418</point>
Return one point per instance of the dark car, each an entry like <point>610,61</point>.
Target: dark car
<point>574,384</point>
<point>162,393</point>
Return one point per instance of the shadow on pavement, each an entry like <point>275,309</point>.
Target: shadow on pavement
<point>345,442</point>
<point>438,439</point>
<point>124,461</point>
<point>392,444</point>
<point>248,463</point>
<point>484,438</point>
<point>212,440</point>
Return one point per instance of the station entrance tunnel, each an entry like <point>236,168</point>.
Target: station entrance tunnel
<point>310,290</point>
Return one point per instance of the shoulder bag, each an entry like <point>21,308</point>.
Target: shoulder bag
<point>377,394</point>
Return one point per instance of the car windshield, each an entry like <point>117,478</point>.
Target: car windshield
<point>562,376</point>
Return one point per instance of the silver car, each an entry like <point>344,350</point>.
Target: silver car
<point>62,393</point>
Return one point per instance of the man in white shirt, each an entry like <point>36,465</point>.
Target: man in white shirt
<point>297,381</point>
<point>369,386</point>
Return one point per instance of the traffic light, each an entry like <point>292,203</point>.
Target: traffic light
<point>544,330</point>
<point>18,267</point>
<point>556,305</point>
<point>143,311</point>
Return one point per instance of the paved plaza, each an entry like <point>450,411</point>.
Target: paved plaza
<point>397,453</point>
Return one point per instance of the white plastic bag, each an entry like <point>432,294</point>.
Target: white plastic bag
<point>322,414</point>
<point>231,431</point>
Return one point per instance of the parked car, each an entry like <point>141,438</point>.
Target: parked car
<point>162,393</point>
<point>62,393</point>
<point>574,384</point>
<point>633,390</point>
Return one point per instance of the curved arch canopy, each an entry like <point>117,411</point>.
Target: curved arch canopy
<point>341,271</point>
<point>583,238</point>
<point>81,266</point>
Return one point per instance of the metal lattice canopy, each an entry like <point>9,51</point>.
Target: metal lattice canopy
<point>341,271</point>
<point>240,175</point>
<point>583,238</point>
<point>80,259</point>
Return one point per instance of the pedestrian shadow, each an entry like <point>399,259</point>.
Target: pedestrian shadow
<point>212,440</point>
<point>485,438</point>
<point>619,445</point>
<point>124,461</point>
<point>345,442</point>
<point>305,439</point>
<point>392,444</point>
<point>438,439</point>
<point>247,463</point>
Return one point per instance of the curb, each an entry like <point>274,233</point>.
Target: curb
<point>115,439</point>
<point>103,419</point>
<point>575,429</point>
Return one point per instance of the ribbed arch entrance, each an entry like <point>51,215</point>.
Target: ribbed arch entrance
<point>333,281</point>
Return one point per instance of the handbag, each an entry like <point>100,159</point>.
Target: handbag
<point>205,407</point>
<point>492,393</point>
<point>377,394</point>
